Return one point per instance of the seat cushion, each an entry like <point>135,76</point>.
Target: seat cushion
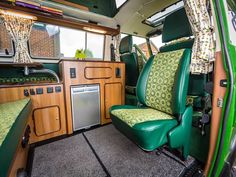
<point>135,116</point>
<point>146,127</point>
<point>13,120</point>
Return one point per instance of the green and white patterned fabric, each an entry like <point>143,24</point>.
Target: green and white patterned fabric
<point>8,114</point>
<point>25,79</point>
<point>161,80</point>
<point>135,116</point>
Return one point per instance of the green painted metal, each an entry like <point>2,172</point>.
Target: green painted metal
<point>230,124</point>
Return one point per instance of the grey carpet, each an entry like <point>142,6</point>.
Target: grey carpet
<point>70,157</point>
<point>123,158</point>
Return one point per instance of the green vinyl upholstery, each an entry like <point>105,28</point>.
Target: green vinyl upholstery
<point>149,126</point>
<point>197,96</point>
<point>176,26</point>
<point>130,60</point>
<point>13,120</point>
<point>163,117</point>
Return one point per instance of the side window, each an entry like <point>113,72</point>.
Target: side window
<point>6,45</point>
<point>70,41</point>
<point>54,42</point>
<point>44,41</point>
<point>95,46</point>
<point>156,43</point>
<point>142,44</point>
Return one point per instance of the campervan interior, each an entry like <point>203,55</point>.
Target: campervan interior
<point>117,88</point>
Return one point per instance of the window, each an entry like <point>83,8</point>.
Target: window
<point>156,43</point>
<point>50,41</point>
<point>95,44</point>
<point>141,43</point>
<point>120,3</point>
<point>44,41</point>
<point>6,47</point>
<point>158,18</point>
<point>70,41</point>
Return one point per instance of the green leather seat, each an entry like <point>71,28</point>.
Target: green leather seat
<point>164,118</point>
<point>183,29</point>
<point>13,120</point>
<point>162,89</point>
<point>131,63</point>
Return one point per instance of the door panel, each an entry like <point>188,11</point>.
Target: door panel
<point>46,120</point>
<point>113,96</point>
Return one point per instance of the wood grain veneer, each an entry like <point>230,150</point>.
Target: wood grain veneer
<point>111,94</point>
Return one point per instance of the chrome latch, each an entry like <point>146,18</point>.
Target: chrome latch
<point>220,102</point>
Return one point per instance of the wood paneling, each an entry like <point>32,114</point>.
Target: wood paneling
<point>111,98</point>
<point>218,93</point>
<point>80,67</point>
<point>98,73</point>
<point>46,120</point>
<point>20,159</point>
<point>59,20</point>
<point>40,101</point>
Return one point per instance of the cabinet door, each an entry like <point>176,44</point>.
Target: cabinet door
<point>46,120</point>
<point>113,96</point>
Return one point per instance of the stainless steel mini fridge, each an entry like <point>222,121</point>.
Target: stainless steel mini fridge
<point>85,106</point>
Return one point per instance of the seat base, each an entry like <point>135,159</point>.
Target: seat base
<point>148,135</point>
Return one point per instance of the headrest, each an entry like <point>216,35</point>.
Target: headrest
<point>176,26</point>
<point>126,44</point>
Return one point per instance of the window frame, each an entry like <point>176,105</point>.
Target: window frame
<point>161,22</point>
<point>59,58</point>
<point>13,50</point>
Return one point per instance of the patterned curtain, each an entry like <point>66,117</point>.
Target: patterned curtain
<point>203,52</point>
<point>19,29</point>
<point>117,42</point>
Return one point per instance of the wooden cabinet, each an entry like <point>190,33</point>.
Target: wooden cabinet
<point>109,75</point>
<point>20,158</point>
<point>48,118</point>
<point>113,96</point>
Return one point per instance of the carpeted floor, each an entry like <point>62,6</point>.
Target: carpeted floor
<point>70,157</point>
<point>116,155</point>
<point>123,158</point>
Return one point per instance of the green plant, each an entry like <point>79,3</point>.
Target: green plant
<point>80,54</point>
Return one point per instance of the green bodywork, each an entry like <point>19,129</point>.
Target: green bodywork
<point>11,133</point>
<point>231,122</point>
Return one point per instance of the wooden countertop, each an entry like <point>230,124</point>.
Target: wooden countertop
<point>102,61</point>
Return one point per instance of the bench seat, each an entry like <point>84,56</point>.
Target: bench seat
<point>13,120</point>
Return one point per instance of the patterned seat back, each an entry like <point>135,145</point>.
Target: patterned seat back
<point>163,82</point>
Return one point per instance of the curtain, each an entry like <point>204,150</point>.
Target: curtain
<point>19,29</point>
<point>203,52</point>
<point>117,44</point>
